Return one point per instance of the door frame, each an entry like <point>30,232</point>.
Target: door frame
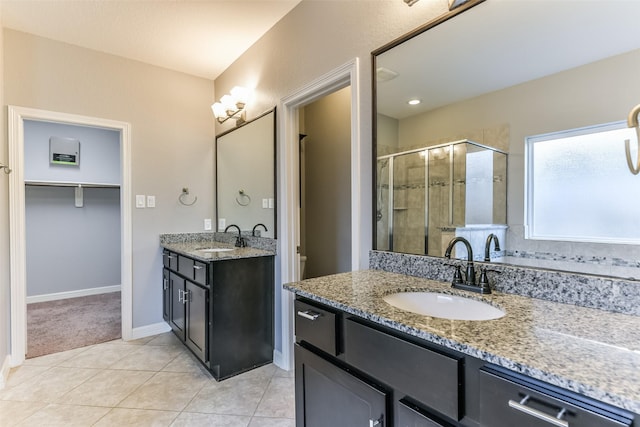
<point>17,226</point>
<point>345,75</point>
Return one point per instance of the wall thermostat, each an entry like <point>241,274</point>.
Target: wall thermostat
<point>64,151</point>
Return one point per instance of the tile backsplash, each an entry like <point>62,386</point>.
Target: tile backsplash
<point>602,292</point>
<point>264,243</point>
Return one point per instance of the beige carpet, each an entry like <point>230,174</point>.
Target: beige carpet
<point>55,326</point>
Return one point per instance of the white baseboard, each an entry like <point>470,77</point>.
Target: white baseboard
<point>4,373</point>
<point>278,360</point>
<point>149,330</point>
<point>73,294</point>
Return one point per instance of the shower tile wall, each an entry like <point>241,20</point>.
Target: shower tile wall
<point>409,202</point>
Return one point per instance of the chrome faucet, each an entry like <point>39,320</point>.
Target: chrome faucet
<point>487,246</point>
<point>240,243</point>
<point>253,232</point>
<point>471,274</point>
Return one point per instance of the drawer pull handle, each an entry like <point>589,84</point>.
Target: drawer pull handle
<point>180,295</point>
<point>374,423</point>
<point>556,421</point>
<point>197,267</point>
<point>309,315</point>
<point>165,285</point>
<point>185,295</point>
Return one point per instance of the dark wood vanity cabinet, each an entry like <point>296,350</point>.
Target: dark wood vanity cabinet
<point>221,310</point>
<point>357,375</point>
<point>353,372</point>
<point>186,306</point>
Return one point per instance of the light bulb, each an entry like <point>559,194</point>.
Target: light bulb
<point>241,95</point>
<point>229,104</point>
<point>219,110</point>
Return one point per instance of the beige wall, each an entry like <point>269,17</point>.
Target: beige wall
<point>171,147</point>
<point>315,38</point>
<point>327,193</point>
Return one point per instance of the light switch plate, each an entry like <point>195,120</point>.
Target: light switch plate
<point>151,201</point>
<point>222,224</point>
<point>207,223</point>
<point>265,203</point>
<point>140,202</point>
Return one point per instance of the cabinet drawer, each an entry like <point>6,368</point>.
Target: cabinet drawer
<point>507,401</point>
<point>410,415</point>
<point>185,266</point>
<point>432,378</point>
<point>316,326</point>
<point>170,260</point>
<point>200,273</point>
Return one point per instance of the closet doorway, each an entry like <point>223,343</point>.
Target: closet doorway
<point>70,231</point>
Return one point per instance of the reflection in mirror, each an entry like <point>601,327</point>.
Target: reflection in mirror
<point>495,91</point>
<point>429,195</point>
<point>245,176</point>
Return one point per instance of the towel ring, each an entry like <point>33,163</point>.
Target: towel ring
<point>632,122</point>
<point>245,199</point>
<point>185,192</point>
<point>7,170</point>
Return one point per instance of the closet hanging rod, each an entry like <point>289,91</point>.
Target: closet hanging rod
<point>70,184</point>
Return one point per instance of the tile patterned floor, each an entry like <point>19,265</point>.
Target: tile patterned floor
<point>153,381</point>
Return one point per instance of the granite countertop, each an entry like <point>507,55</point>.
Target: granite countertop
<point>589,351</point>
<point>193,250</point>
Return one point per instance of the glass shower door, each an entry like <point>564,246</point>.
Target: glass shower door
<point>409,203</point>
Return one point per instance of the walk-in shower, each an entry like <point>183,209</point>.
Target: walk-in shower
<point>426,196</point>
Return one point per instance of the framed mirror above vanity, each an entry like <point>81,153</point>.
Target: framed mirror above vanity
<point>245,176</point>
<point>482,150</point>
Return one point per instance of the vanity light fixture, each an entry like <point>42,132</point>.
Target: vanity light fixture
<point>232,106</point>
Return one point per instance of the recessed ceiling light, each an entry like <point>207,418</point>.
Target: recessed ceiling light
<point>413,102</point>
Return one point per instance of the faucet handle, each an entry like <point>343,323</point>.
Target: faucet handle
<point>457,276</point>
<point>483,282</point>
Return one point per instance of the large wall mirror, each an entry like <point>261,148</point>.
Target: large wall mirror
<point>490,76</point>
<point>245,176</point>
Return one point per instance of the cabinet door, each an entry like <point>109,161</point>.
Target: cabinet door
<point>177,309</point>
<point>196,325</point>
<point>327,395</point>
<point>166,295</point>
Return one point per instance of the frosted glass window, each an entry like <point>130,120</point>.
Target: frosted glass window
<point>579,187</point>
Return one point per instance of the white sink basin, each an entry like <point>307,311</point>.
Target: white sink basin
<point>216,249</point>
<point>443,305</point>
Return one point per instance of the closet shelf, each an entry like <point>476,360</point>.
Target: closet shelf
<point>71,184</point>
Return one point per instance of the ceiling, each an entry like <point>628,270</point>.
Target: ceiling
<point>200,38</point>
